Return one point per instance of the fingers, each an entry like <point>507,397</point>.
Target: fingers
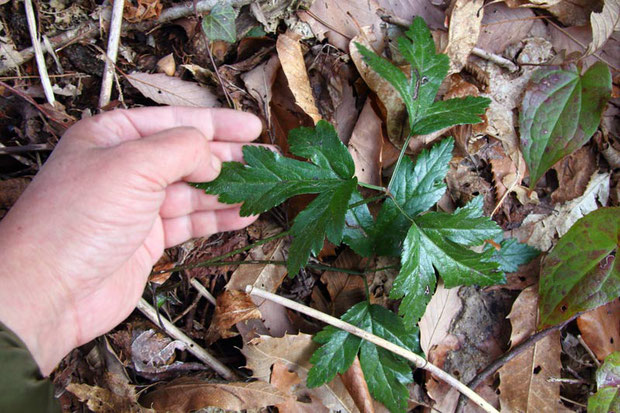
<point>167,157</point>
<point>114,127</point>
<point>182,199</point>
<point>201,224</point>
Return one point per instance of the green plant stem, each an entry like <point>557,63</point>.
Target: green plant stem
<point>402,211</point>
<point>399,161</point>
<point>371,186</point>
<point>368,200</point>
<point>223,256</point>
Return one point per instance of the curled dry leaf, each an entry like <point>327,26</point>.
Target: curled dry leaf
<point>355,383</point>
<point>465,25</point>
<point>600,329</point>
<point>142,10</point>
<point>604,24</point>
<point>100,400</point>
<point>186,395</point>
<point>259,82</point>
<point>294,352</point>
<point>294,67</point>
<point>172,91</point>
<point>167,65</point>
<point>232,307</point>
<point>526,383</point>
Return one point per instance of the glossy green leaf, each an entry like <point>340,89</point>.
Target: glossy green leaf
<point>560,112</point>
<point>387,375</point>
<point>219,24</point>
<point>607,398</point>
<point>359,227</point>
<point>439,241</point>
<point>416,188</point>
<point>268,179</point>
<point>512,254</point>
<point>582,271</point>
<point>418,91</point>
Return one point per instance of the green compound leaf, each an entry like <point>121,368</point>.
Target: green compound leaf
<point>418,91</point>
<point>386,374</point>
<point>439,241</point>
<point>268,179</point>
<point>559,114</point>
<point>513,254</point>
<point>219,24</point>
<point>359,227</point>
<point>582,271</point>
<point>607,398</point>
<point>415,188</point>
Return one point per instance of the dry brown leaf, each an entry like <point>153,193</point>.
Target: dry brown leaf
<point>172,91</point>
<point>465,25</point>
<point>143,10</point>
<point>395,112</point>
<point>604,24</point>
<point>167,65</point>
<point>365,146</point>
<point>574,172</point>
<point>355,383</point>
<point>440,311</point>
<point>290,383</point>
<point>526,382</point>
<point>574,41</point>
<point>408,9</point>
<point>502,26</point>
<point>101,400</point>
<point>600,329</point>
<point>345,290</point>
<point>10,190</point>
<point>232,307</point>
<point>574,12</point>
<point>259,82</point>
<point>186,395</point>
<point>294,67</point>
<point>294,352</point>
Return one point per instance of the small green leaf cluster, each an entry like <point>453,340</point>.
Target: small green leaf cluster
<point>426,241</point>
<point>607,397</point>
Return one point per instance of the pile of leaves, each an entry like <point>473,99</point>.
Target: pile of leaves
<point>448,182</point>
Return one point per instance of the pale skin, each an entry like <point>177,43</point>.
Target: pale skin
<point>78,246</point>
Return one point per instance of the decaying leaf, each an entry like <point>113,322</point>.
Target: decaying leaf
<point>600,329</point>
<point>345,290</point>
<point>172,91</point>
<point>259,82</point>
<point>604,24</point>
<point>289,383</point>
<point>502,26</point>
<point>143,10</point>
<point>365,146</point>
<point>581,272</point>
<point>526,383</point>
<point>357,386</point>
<point>294,67</point>
<point>232,307</point>
<point>184,395</point>
<point>294,352</point>
<point>440,311</point>
<point>101,400</point>
<point>464,30</point>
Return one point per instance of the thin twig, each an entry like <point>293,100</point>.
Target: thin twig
<point>38,52</point>
<point>409,355</point>
<point>511,354</point>
<point>203,291</point>
<point>200,353</point>
<point>35,147</point>
<point>114,37</point>
<point>494,58</point>
<point>589,350</point>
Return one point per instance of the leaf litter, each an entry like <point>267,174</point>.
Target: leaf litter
<point>304,66</point>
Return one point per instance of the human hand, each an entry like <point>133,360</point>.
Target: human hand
<point>78,246</point>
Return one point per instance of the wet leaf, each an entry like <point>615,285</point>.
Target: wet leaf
<point>513,254</point>
<point>560,112</point>
<point>582,271</point>
<point>386,374</point>
<point>220,23</point>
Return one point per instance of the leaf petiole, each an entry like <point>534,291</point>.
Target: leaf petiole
<point>371,186</point>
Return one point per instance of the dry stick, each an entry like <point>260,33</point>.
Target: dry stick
<point>113,41</point>
<point>511,354</point>
<point>420,362</point>
<point>90,28</point>
<point>200,353</point>
<point>202,291</point>
<point>38,52</point>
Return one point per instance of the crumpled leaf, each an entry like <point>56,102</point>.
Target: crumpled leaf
<point>607,398</point>
<point>439,241</point>
<point>427,71</point>
<point>232,307</point>
<point>604,24</point>
<point>269,179</point>
<point>416,188</point>
<point>172,91</point>
<point>184,395</point>
<point>464,29</point>
<point>386,374</point>
<point>524,380</point>
<point>560,112</point>
<point>219,24</point>
<point>582,271</point>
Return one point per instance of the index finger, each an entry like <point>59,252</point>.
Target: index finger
<point>115,127</point>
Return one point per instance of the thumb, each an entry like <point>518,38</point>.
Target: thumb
<point>169,156</point>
